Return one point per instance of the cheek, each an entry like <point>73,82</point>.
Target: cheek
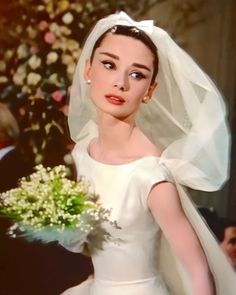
<point>97,88</point>
<point>229,249</point>
<point>98,77</point>
<point>140,90</point>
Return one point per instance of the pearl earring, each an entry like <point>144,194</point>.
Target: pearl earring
<point>146,99</point>
<point>88,81</point>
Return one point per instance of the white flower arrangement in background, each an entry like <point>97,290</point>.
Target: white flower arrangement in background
<point>47,206</point>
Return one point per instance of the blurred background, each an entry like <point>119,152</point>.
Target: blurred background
<point>40,42</point>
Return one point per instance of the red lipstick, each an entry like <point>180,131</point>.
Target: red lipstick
<point>115,99</point>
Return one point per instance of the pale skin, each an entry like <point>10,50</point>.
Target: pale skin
<point>120,79</point>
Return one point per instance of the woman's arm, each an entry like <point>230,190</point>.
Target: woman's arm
<point>166,208</point>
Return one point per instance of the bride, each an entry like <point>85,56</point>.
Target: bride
<point>147,121</point>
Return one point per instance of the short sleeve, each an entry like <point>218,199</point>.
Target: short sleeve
<point>150,174</point>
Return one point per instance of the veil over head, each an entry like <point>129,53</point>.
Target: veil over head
<point>186,115</point>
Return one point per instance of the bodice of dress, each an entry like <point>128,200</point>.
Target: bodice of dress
<point>134,266</point>
<point>124,189</point>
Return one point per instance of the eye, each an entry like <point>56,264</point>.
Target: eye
<point>232,241</point>
<point>137,75</point>
<point>108,64</point>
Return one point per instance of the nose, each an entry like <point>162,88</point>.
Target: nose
<point>121,81</point>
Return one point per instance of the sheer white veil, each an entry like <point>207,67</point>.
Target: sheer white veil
<point>186,117</point>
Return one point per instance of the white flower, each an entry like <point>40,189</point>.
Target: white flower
<point>33,78</point>
<point>3,79</point>
<point>54,27</point>
<point>2,66</point>
<point>19,76</point>
<point>76,54</point>
<point>66,59</point>
<point>34,62</point>
<point>70,68</point>
<point>53,78</point>
<point>80,25</point>
<point>67,18</point>
<point>40,8</point>
<point>89,5</point>
<point>72,45</point>
<point>21,69</point>
<point>31,32</point>
<point>25,89</point>
<point>60,44</point>
<point>8,54</point>
<point>65,31</point>
<point>19,29</point>
<point>52,57</point>
<point>38,158</point>
<point>22,51</point>
<point>63,5</point>
<point>68,159</point>
<point>77,7</point>
<point>18,79</point>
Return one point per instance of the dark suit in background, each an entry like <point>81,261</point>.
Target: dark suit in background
<point>12,167</point>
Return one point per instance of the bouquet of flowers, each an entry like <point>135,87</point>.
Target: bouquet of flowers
<point>47,206</point>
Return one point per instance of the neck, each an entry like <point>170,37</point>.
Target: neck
<point>114,134</point>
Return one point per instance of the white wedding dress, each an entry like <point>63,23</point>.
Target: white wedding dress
<point>139,263</point>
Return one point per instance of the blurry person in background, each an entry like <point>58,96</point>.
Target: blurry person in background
<point>228,240</point>
<point>13,164</point>
<point>224,230</point>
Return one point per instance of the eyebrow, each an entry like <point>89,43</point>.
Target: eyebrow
<point>141,66</point>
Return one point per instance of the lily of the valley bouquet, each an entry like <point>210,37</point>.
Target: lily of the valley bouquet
<point>47,206</point>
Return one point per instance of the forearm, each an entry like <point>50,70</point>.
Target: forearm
<point>196,265</point>
<point>202,280</point>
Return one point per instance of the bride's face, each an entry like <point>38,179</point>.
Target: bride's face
<point>120,74</point>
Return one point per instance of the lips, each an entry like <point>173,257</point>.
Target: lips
<point>115,99</point>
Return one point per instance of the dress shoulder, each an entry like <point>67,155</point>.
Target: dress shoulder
<point>148,173</point>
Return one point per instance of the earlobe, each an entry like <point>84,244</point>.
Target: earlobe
<point>87,69</point>
<point>151,89</point>
<point>146,99</point>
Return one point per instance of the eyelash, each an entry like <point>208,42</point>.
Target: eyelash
<point>138,75</point>
<point>106,63</point>
<point>111,66</point>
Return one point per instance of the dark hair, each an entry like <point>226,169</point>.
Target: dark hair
<point>135,33</point>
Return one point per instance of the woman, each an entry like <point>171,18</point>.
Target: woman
<point>138,139</point>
